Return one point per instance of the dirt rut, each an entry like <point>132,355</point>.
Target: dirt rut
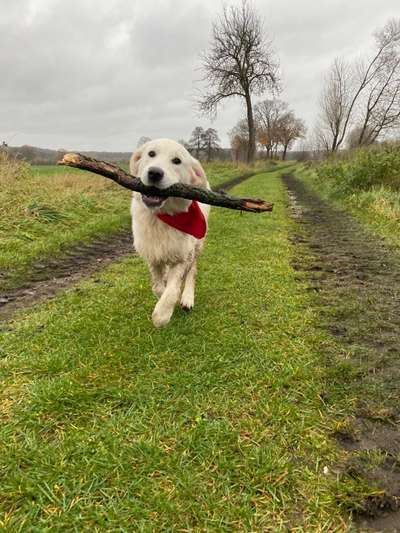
<point>49,277</point>
<point>357,278</point>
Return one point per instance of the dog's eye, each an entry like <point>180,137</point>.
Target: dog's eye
<point>176,161</point>
<point>152,153</point>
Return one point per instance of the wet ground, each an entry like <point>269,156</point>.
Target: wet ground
<point>49,277</point>
<point>356,279</point>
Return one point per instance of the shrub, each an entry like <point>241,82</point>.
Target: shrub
<point>364,168</point>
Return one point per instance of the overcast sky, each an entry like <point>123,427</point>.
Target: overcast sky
<point>91,74</point>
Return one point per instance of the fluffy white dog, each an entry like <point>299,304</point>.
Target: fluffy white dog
<point>168,233</point>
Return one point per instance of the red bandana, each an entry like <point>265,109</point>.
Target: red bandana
<point>191,221</point>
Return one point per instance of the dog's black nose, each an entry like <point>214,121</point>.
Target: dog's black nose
<point>155,174</point>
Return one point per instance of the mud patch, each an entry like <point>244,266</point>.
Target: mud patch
<point>48,278</point>
<point>356,278</point>
<point>388,522</point>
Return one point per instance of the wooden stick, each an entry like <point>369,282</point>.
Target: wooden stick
<point>205,196</point>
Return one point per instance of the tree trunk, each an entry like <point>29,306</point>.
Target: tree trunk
<point>335,145</point>
<point>364,128</point>
<point>285,147</point>
<point>251,150</point>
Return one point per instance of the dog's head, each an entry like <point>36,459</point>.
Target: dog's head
<point>162,163</point>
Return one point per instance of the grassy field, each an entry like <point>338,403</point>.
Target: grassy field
<point>367,183</point>
<point>215,423</point>
<point>44,210</point>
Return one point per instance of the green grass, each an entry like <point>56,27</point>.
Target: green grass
<point>378,208</point>
<point>46,210</point>
<point>219,172</point>
<point>214,423</point>
<point>366,183</point>
<point>42,171</point>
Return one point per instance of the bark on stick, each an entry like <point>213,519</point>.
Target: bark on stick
<point>113,172</point>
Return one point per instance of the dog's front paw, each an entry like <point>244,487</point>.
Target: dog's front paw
<point>161,316</point>
<point>187,301</point>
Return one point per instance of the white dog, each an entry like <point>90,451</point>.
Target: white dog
<point>168,233</point>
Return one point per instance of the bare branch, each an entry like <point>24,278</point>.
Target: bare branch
<point>179,190</point>
<point>366,93</point>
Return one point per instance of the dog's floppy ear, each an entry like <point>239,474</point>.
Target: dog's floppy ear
<point>135,160</point>
<point>199,178</point>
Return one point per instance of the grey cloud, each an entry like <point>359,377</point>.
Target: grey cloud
<point>98,75</point>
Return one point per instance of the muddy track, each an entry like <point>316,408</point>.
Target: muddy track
<point>356,278</point>
<point>49,277</point>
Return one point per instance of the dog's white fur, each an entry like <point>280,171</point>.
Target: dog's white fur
<point>170,254</point>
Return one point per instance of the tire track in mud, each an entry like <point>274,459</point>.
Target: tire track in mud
<point>51,276</point>
<point>357,280</point>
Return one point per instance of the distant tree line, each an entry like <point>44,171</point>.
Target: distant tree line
<point>45,156</point>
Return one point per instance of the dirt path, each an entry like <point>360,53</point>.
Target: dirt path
<point>357,278</point>
<point>49,277</point>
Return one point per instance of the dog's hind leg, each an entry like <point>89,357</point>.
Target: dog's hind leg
<point>157,272</point>
<point>165,306</point>
<point>187,297</point>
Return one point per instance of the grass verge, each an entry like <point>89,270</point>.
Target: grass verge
<point>365,182</point>
<point>45,211</point>
<point>215,423</point>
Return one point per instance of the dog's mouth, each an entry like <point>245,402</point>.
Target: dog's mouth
<point>153,201</point>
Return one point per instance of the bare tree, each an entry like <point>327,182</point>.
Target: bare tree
<point>268,113</point>
<point>240,63</point>
<point>381,108</point>
<point>370,89</point>
<point>336,103</point>
<point>196,140</point>
<point>321,140</point>
<point>236,147</point>
<point>239,137</point>
<point>290,129</point>
<point>210,142</point>
<point>353,137</point>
